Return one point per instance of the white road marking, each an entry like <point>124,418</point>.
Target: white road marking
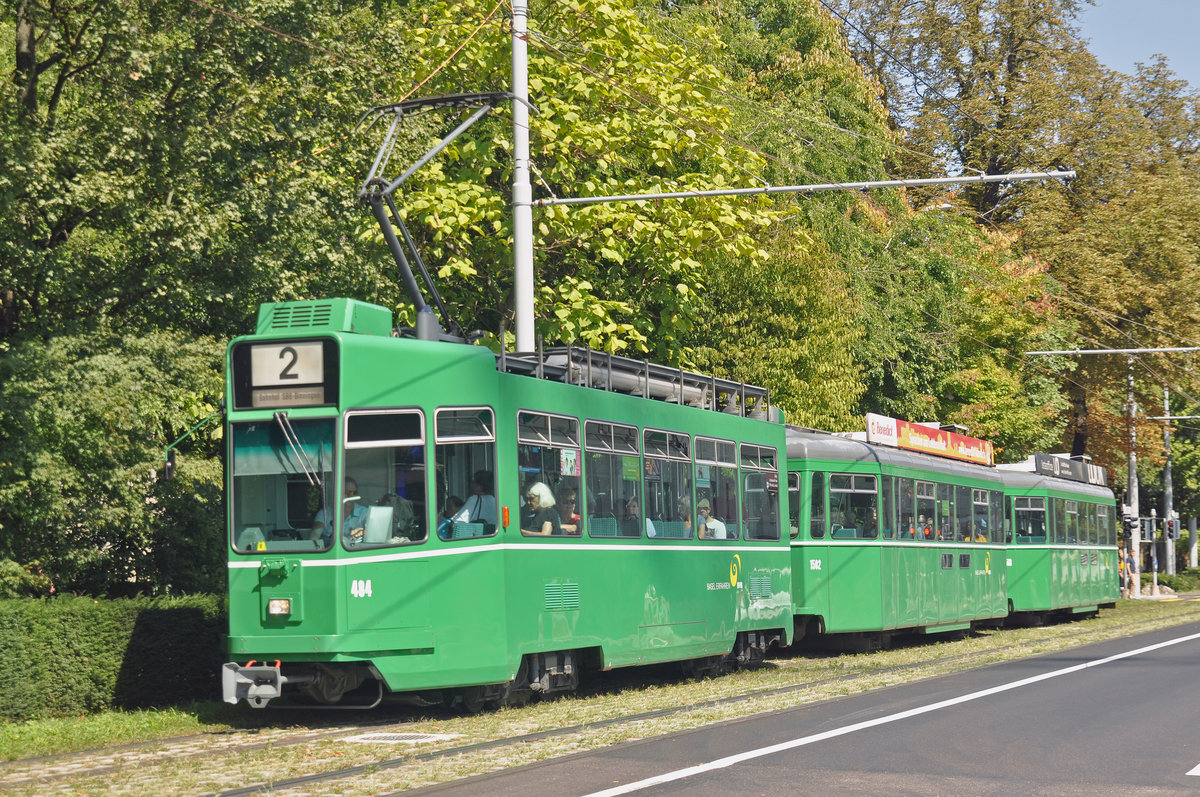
<point>1194,770</point>
<point>750,755</point>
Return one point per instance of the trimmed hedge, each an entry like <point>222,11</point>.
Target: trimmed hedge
<point>66,656</point>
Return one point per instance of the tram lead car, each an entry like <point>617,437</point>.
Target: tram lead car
<point>332,417</point>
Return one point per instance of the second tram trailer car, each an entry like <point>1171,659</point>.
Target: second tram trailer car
<point>1062,553</point>
<point>388,523</point>
<point>886,539</point>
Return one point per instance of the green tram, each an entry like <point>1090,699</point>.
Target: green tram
<point>1062,556</point>
<point>885,539</point>
<point>391,528</point>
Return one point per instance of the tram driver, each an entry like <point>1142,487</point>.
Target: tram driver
<point>354,517</point>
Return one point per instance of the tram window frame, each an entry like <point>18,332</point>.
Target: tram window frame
<point>716,480</point>
<point>1074,527</point>
<point>666,482</point>
<point>368,433</point>
<point>906,505</point>
<point>1058,511</point>
<point>926,498</point>
<point>997,530</point>
<point>760,516</point>
<point>887,514</point>
<point>795,504</point>
<point>943,528</point>
<point>1031,505</point>
<point>1103,526</point>
<point>980,508</point>
<point>817,511</point>
<point>538,434</point>
<point>851,485</point>
<point>613,475</point>
<point>964,507</point>
<point>265,486</point>
<point>479,446</point>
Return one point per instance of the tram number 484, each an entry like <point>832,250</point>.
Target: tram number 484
<point>360,588</point>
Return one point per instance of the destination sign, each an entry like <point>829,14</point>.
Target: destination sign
<point>1070,469</point>
<point>277,374</point>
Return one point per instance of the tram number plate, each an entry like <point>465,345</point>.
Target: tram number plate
<point>287,364</point>
<point>360,588</point>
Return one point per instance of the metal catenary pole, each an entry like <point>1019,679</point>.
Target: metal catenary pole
<point>522,192</point>
<point>1168,491</point>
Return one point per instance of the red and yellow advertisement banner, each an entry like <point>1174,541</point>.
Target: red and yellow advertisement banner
<point>928,440</point>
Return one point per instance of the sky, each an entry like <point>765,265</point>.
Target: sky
<point>1123,32</point>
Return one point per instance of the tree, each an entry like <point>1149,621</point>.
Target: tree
<point>83,426</point>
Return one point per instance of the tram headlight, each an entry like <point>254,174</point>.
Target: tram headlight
<point>279,607</point>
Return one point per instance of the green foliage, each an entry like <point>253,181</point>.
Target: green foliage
<point>83,425</point>
<point>24,581</point>
<point>80,655</point>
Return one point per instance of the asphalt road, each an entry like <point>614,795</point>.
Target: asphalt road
<point>1118,717</point>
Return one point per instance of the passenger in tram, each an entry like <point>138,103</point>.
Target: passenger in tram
<point>981,530</point>
<point>539,517</point>
<point>480,506</point>
<point>354,520</point>
<point>870,529</point>
<point>631,524</point>
<point>924,528</point>
<point>710,527</point>
<point>683,507</point>
<point>568,516</point>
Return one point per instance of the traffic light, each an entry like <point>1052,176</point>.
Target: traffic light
<point>1172,529</point>
<point>1129,522</point>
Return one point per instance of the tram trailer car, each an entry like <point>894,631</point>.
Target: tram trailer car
<point>888,540</point>
<point>1062,552</point>
<point>327,410</point>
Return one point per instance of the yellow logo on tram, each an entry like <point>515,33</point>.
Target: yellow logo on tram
<point>735,567</point>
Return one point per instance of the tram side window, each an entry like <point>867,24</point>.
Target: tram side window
<point>716,489</point>
<point>926,505</point>
<point>1103,529</point>
<point>667,485</point>
<point>794,505</point>
<point>887,520</point>
<point>465,472</point>
<point>760,492</point>
<point>908,529</point>
<point>853,506</point>
<point>549,458</point>
<point>963,509</point>
<point>1029,521</point>
<point>816,515</point>
<point>980,528</point>
<point>1058,515</point>
<point>281,475</point>
<point>385,458</point>
<point>996,528</point>
<point>945,512</point>
<point>614,472</point>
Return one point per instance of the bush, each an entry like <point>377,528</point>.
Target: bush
<point>1188,581</point>
<point>79,655</point>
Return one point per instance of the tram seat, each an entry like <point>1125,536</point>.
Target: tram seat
<point>845,533</point>
<point>1038,540</point>
<point>602,526</point>
<point>671,529</point>
<point>462,531</point>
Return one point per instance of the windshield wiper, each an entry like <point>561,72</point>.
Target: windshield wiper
<point>293,439</point>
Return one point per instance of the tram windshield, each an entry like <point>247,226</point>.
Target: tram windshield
<point>281,473</point>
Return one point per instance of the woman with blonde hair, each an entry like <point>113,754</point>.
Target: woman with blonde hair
<point>539,516</point>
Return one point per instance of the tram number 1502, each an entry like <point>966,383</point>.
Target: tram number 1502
<point>360,588</point>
